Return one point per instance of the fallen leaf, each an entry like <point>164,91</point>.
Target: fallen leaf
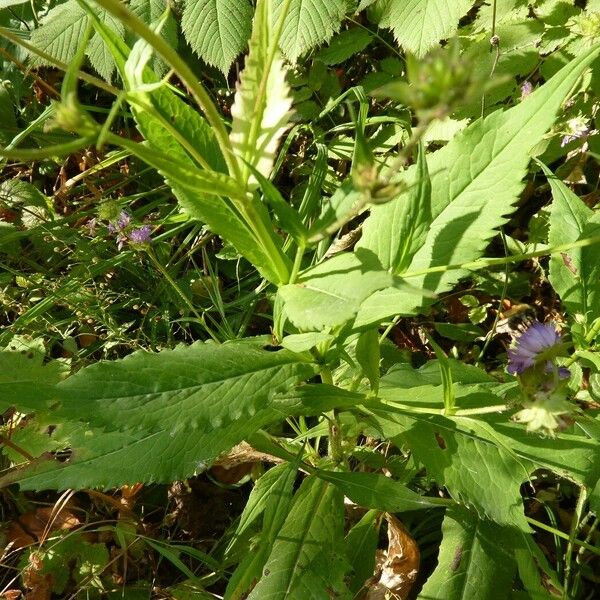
<point>397,568</point>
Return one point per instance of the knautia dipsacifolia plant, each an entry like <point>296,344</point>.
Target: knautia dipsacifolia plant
<point>340,218</point>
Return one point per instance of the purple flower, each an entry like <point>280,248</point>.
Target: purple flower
<point>532,347</point>
<point>141,235</point>
<point>124,220</point>
<point>577,128</point>
<point>526,89</point>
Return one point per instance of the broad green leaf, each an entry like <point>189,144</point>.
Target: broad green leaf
<point>307,562</point>
<point>308,23</point>
<point>361,545</point>
<point>475,182</point>
<point>475,471</point>
<point>330,294</point>
<point>475,560</point>
<point>411,211</point>
<point>574,274</point>
<point>217,30</point>
<point>60,33</point>
<point>301,342</point>
<point>373,490</point>
<point>203,387</point>
<point>108,459</point>
<point>419,24</point>
<point>26,383</point>
<point>261,108</point>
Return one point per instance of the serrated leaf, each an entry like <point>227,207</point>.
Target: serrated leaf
<point>475,182</point>
<point>412,214</point>
<point>26,383</point>
<point>203,386</point>
<point>475,560</point>
<point>61,31</point>
<point>306,562</point>
<point>261,108</point>
<point>419,24</point>
<point>574,274</point>
<point>112,458</point>
<point>331,293</point>
<point>217,30</point>
<point>308,24</point>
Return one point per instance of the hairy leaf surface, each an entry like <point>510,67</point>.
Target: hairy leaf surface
<point>217,30</point>
<point>308,23</point>
<point>475,181</point>
<point>419,24</point>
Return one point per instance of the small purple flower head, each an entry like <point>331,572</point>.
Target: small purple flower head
<point>577,129</point>
<point>533,346</point>
<point>526,89</point>
<point>141,235</point>
<point>91,226</point>
<point>124,220</point>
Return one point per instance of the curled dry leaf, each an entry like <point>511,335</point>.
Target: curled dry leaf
<point>35,525</point>
<point>397,568</point>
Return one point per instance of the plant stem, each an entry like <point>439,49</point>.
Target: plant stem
<point>180,293</point>
<point>564,536</point>
<point>572,537</point>
<point>121,12</point>
<point>335,437</point>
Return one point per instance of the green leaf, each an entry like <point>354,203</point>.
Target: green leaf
<point>306,561</point>
<point>60,33</point>
<point>26,383</point>
<point>361,545</point>
<point>475,471</point>
<point>345,45</point>
<point>203,386</point>
<point>419,24</point>
<point>108,459</point>
<point>368,356</point>
<point>217,30</point>
<point>261,108</point>
<point>575,274</point>
<point>411,211</point>
<point>308,24</point>
<point>372,490</point>
<point>330,294</point>
<point>475,560</point>
<point>475,181</point>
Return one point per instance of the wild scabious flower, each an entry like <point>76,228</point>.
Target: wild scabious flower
<point>533,359</point>
<point>141,235</point>
<point>577,129</point>
<point>538,343</point>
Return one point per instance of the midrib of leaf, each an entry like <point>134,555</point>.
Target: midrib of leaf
<point>469,562</point>
<point>319,499</point>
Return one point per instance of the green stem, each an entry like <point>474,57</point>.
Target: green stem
<point>180,293</point>
<point>335,437</point>
<point>297,264</point>
<point>564,536</point>
<point>572,538</point>
<point>49,152</point>
<point>484,263</point>
<point>201,96</point>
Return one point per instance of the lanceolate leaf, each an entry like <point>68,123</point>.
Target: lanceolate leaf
<point>475,182</point>
<point>475,560</point>
<point>419,24</point>
<point>217,30</point>
<point>575,274</point>
<point>262,102</point>
<point>307,560</point>
<point>308,23</point>
<point>204,386</point>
